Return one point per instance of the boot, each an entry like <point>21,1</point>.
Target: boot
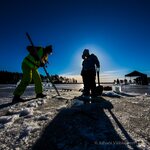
<point>40,95</point>
<point>17,99</point>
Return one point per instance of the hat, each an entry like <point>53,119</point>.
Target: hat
<point>86,52</point>
<point>48,49</point>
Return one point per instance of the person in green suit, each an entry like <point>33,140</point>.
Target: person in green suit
<point>36,58</point>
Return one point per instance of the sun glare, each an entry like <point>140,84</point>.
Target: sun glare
<point>106,64</point>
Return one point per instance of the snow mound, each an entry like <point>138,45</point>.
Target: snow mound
<point>77,102</point>
<point>111,94</point>
<point>26,112</point>
<point>8,120</point>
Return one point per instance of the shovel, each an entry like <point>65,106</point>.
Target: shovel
<point>99,88</point>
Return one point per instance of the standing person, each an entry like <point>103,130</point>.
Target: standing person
<point>90,65</point>
<point>36,58</point>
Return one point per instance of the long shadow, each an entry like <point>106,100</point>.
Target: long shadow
<point>5,105</point>
<point>85,127</point>
<point>10,103</point>
<point>130,141</point>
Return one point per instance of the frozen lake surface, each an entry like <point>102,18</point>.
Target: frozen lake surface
<point>125,118</point>
<point>6,90</point>
<point>140,89</point>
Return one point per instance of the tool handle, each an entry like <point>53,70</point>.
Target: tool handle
<point>98,78</point>
<point>29,38</point>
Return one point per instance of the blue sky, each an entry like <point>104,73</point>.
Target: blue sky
<point>117,31</point>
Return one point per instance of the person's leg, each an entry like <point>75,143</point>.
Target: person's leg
<point>86,85</point>
<point>92,83</point>
<point>26,79</point>
<point>93,86</point>
<point>86,92</point>
<point>38,84</point>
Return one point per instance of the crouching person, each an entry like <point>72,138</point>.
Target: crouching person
<point>36,58</point>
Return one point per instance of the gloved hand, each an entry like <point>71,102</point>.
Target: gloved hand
<point>97,69</point>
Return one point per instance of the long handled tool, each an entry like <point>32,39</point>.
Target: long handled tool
<point>99,88</point>
<point>47,74</point>
<point>98,78</point>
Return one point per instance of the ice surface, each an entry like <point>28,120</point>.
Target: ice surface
<point>76,126</point>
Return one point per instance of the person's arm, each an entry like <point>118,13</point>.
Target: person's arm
<point>44,60</point>
<point>97,63</point>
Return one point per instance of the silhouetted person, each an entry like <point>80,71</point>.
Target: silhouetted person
<point>36,58</point>
<point>90,65</point>
<point>118,82</point>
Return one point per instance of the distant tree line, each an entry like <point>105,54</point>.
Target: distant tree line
<point>137,81</point>
<point>9,77</point>
<point>13,77</point>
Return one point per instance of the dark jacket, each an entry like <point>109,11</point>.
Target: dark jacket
<point>89,64</point>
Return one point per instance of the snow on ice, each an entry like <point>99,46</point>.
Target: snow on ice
<point>115,121</point>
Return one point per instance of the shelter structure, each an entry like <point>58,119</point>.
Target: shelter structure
<point>140,79</point>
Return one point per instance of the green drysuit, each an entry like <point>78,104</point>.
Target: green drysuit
<point>30,71</point>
